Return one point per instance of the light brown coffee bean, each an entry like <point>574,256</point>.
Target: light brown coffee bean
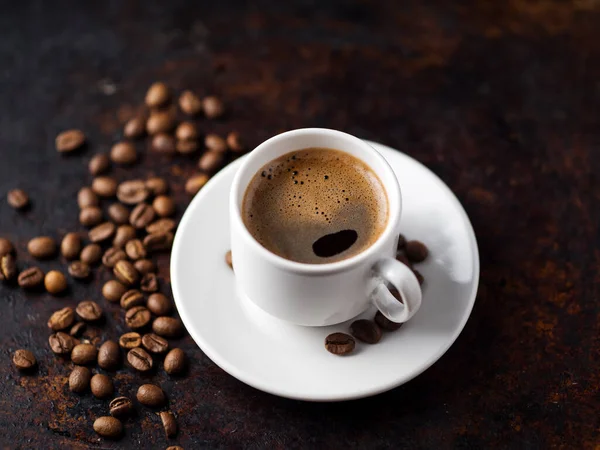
<point>186,147</point>
<point>70,247</point>
<point>213,107</point>
<point>160,122</point>
<point>210,161</point>
<point>132,192</point>
<point>416,251</point>
<point>164,206</point>
<point>31,278</point>
<point>169,423</point>
<point>99,164</point>
<point>101,386</point>
<point>190,103</point>
<point>104,186</point>
<point>120,407</point>
<point>69,140</point>
<point>161,226</point>
<point>149,283</point>
<point>42,247</point>
<point>61,343</point>
<point>384,323</point>
<point>137,317</point>
<point>108,427</point>
<point>141,216</point>
<point>102,232</point>
<point>139,359</point>
<point>55,282</point>
<point>113,290</point>
<point>6,247</point>
<point>135,249</point>
<point>8,267</point>
<point>215,143</point>
<point>86,197</point>
<point>164,143</point>
<point>130,340</point>
<point>366,331</point>
<point>157,186</point>
<point>186,131</point>
<point>132,298</point>
<point>91,254</point>
<point>77,329</point>
<point>90,216</point>
<point>89,311</point>
<point>157,242</point>
<point>154,343</point>
<point>234,142</point>
<point>151,395</point>
<point>229,259</point>
<point>168,327</point>
<point>124,234</point>
<point>126,273</point>
<point>79,270</point>
<point>135,127</point>
<point>79,380</point>
<point>195,183</point>
<point>124,153</point>
<point>158,95</point>
<point>175,362</point>
<point>144,266</point>
<point>61,319</point>
<point>84,354</point>
<point>159,304</point>
<point>24,359</point>
<point>112,256</point>
<point>118,213</point>
<point>339,343</point>
<point>109,355</point>
<point>18,198</point>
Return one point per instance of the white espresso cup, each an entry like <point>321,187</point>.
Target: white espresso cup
<point>322,294</point>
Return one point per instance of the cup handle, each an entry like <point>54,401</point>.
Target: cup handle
<point>390,271</point>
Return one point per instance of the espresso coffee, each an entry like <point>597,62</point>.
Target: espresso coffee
<point>315,206</point>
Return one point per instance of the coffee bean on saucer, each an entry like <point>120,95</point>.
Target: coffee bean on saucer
<point>89,311</point>
<point>160,226</point>
<point>168,327</point>
<point>386,324</point>
<point>126,273</point>
<point>186,147</point>
<point>149,283</point>
<point>160,122</point>
<point>104,186</point>
<point>234,142</point>
<point>84,354</point>
<point>416,251</point>
<point>164,143</point>
<point>144,266</point>
<point>141,216</point>
<point>70,246</point>
<point>99,164</point>
<point>79,380</point>
<point>69,140</point>
<point>157,186</point>
<point>130,340</point>
<point>124,234</point>
<point>157,242</point>
<point>8,267</point>
<point>108,427</point>
<point>101,386</point>
<point>79,270</point>
<point>77,329</point>
<point>419,276</point>
<point>175,362</point>
<point>195,183</point>
<point>6,247</point>
<point>132,192</point>
<point>91,254</point>
<point>124,153</point>
<point>61,319</point>
<point>339,343</point>
<point>213,107</point>
<point>112,256</point>
<point>151,395</point>
<point>120,407</point>
<point>169,423</point>
<point>189,103</point>
<point>87,197</point>
<point>401,242</point>
<point>366,331</point>
<point>42,247</point>
<point>18,198</point>
<point>210,161</point>
<point>139,359</point>
<point>403,259</point>
<point>61,343</point>
<point>24,359</point>
<point>164,206</point>
<point>215,143</point>
<point>229,259</point>
<point>132,298</point>
<point>102,232</point>
<point>137,317</point>
<point>55,282</point>
<point>186,131</point>
<point>135,249</point>
<point>154,343</point>
<point>158,95</point>
<point>31,278</point>
<point>118,213</point>
<point>159,304</point>
<point>90,216</point>
<point>135,127</point>
<point>113,290</point>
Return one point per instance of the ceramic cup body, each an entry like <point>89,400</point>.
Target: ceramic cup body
<point>321,294</point>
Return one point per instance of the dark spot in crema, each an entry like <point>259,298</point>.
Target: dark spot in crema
<point>269,177</point>
<point>327,177</point>
<point>263,174</point>
<point>334,243</point>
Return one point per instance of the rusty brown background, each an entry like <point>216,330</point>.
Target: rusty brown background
<point>499,98</point>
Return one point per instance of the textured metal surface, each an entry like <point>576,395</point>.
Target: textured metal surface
<point>500,99</point>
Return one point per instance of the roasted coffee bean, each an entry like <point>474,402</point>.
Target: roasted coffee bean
<point>175,362</point>
<point>112,256</point>
<point>144,266</point>
<point>8,267</point>
<point>124,234</point>
<point>31,278</point>
<point>135,127</point>
<point>108,427</point>
<point>164,206</point>
<point>384,323</point>
<point>61,343</point>
<point>102,232</point>
<point>141,216</point>
<point>86,197</point>
<point>169,423</point>
<point>213,107</point>
<point>132,192</point>
<point>120,407</point>
<point>159,304</point>
<point>195,183</point>
<point>6,247</point>
<point>90,216</point>
<point>186,131</point>
<point>118,213</point>
<point>135,249</point>
<point>210,161</point>
<point>186,147</point>
<point>401,242</point>
<point>339,343</point>
<point>130,340</point>
<point>55,282</point>
<point>132,298</point>
<point>61,319</point>
<point>229,259</point>
<point>400,256</point>
<point>77,329</point>
<point>158,95</point>
<point>79,380</point>
<point>151,395</point>
<point>126,273</point>
<point>139,359</point>
<point>190,103</point>
<point>161,226</point>
<point>83,354</point>
<point>416,251</point>
<point>160,122</point>
<point>164,143</point>
<point>366,331</point>
<point>149,283</point>
<point>174,447</point>
<point>157,186</point>
<point>113,290</point>
<point>215,143</point>
<point>89,310</point>
<point>419,276</point>
<point>24,359</point>
<point>157,242</point>
<point>42,247</point>
<point>154,343</point>
<point>168,327</point>
<point>234,142</point>
<point>91,254</point>
<point>69,140</point>
<point>79,270</point>
<point>99,164</point>
<point>124,153</point>
<point>104,186</point>
<point>70,247</point>
<point>137,317</point>
<point>18,198</point>
<point>101,386</point>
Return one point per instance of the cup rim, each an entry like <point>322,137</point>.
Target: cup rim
<point>326,268</point>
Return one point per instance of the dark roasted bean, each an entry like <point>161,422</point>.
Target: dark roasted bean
<point>69,140</point>
<point>366,331</point>
<point>31,278</point>
<point>61,319</point>
<point>112,256</point>
<point>102,232</point>
<point>83,354</point>
<point>61,343</point>
<point>154,343</point>
<point>130,340</point>
<point>141,216</point>
<point>18,198</point>
<point>126,273</point>
<point>79,270</point>
<point>42,247</point>
<point>120,407</point>
<point>151,395</point>
<point>24,359</point>
<point>138,317</point>
<point>91,254</point>
<point>175,362</point>
<point>70,247</point>
<point>132,192</point>
<point>79,380</point>
<point>139,359</point>
<point>99,164</point>
<point>89,310</point>
<point>168,327</point>
<point>132,298</point>
<point>339,343</point>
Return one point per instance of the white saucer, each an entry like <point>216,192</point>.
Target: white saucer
<point>290,360</point>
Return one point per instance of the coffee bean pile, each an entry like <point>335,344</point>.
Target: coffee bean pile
<point>137,227</point>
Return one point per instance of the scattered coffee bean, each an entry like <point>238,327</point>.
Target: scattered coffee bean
<point>158,95</point>
<point>132,192</point>
<point>210,161</point>
<point>79,270</point>
<point>141,216</point>
<point>137,317</point>
<point>151,395</point>
<point>24,359</point>
<point>79,380</point>
<point>84,354</point>
<point>135,249</point>
<point>160,122</point>
<point>195,183</point>
<point>229,259</point>
<point>168,327</point>
<point>61,319</point>
<point>101,386</point>
<point>31,278</point>
<point>124,234</point>
<point>419,276</point>
<point>144,266</point>
<point>175,362</point>
<point>401,242</point>
<point>157,186</point>
<point>135,127</point>
<point>174,447</point>
<point>159,304</point>
<point>69,140</point>
<point>139,359</point>
<point>112,256</point>
<point>213,107</point>
<point>164,206</point>
<point>55,282</point>
<point>18,198</point>
<point>132,298</point>
<point>42,247</point>
<point>113,290</point>
<point>157,242</point>
<point>124,153</point>
<point>149,283</point>
<point>99,164</point>
<point>6,247</point>
<point>384,323</point>
<point>90,216</point>
<point>108,427</point>
<point>339,343</point>
<point>403,259</point>
<point>234,142</point>
<point>186,147</point>
<point>416,251</point>
<point>104,186</point>
<point>366,331</point>
<point>154,343</point>
<point>130,340</point>
<point>89,311</point>
<point>102,232</point>
<point>126,273</point>
<point>86,197</point>
<point>215,143</point>
<point>120,407</point>
<point>186,131</point>
<point>91,254</point>
<point>169,423</point>
<point>70,247</point>
<point>161,226</point>
<point>190,103</point>
<point>61,343</point>
<point>164,143</point>
<point>8,267</point>
<point>77,329</point>
<point>118,213</point>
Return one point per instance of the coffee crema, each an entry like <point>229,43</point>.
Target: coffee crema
<point>315,206</point>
